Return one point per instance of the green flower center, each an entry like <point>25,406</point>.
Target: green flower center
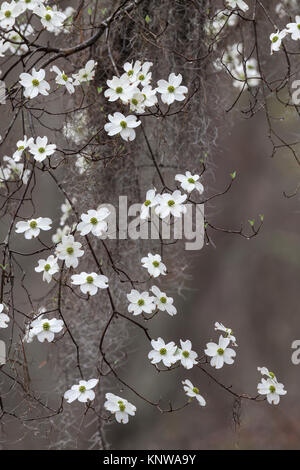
<point>272,388</point>
<point>134,101</point>
<point>121,406</point>
<point>33,224</point>
<point>171,203</point>
<point>155,264</point>
<point>163,351</point>
<point>94,221</point>
<point>85,75</point>
<point>35,82</point>
<point>196,390</point>
<point>123,124</point>
<point>147,203</point>
<point>163,300</point>
<point>119,89</point>
<point>142,77</point>
<point>47,267</point>
<point>48,17</point>
<point>90,279</point>
<point>82,389</point>
<point>21,148</point>
<point>171,89</point>
<point>130,73</point>
<point>191,180</point>
<point>298,26</point>
<point>46,326</point>
<point>275,39</point>
<point>7,14</point>
<point>141,302</point>
<point>42,150</point>
<point>70,250</point>
<point>272,375</point>
<point>185,354</point>
<point>64,77</point>
<point>220,351</point>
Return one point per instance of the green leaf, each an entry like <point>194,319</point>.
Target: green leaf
<point>99,89</point>
<point>251,222</point>
<point>261,216</point>
<point>90,11</point>
<point>147,19</point>
<point>233,175</point>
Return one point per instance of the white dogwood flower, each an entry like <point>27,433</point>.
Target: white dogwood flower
<point>85,74</point>
<point>15,169</point>
<point>143,78</point>
<point>187,357</point>
<point>171,90</point>
<point>140,302</point>
<point>119,88</point>
<point>34,83</point>
<point>136,102</point>
<point>119,124</point>
<point>45,329</point>
<point>60,232</point>
<point>163,352</point>
<point>276,40</point>
<point>120,407</point>
<point>94,221</point>
<point>154,265</point>
<point>237,4</point>
<point>51,19</point>
<point>190,182</point>
<point>294,29</point>
<point>82,392</point>
<point>170,204</point>
<point>21,146</point>
<point>220,353</point>
<point>41,149</point>
<point>8,14</point>
<point>228,332</point>
<point>163,303</point>
<point>149,94</point>
<point>48,267</point>
<point>69,251</point>
<point>63,79</point>
<point>4,318</point>
<point>151,201</point>
<point>132,70</point>
<point>193,392</point>
<point>271,389</point>
<point>31,228</point>
<point>90,282</point>
<point>266,372</point>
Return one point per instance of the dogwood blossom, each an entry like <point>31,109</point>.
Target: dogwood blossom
<point>171,90</point>
<point>246,74</point>
<point>276,40</point>
<point>120,407</point>
<point>69,251</point>
<point>85,74</point>
<point>34,83</point>
<point>237,4</point>
<point>119,124</point>
<point>228,332</point>
<point>63,79</point>
<point>266,372</point>
<point>48,267</point>
<point>154,265</point>
<point>60,232</point>
<point>15,169</point>
<point>82,392</point>
<point>190,182</point>
<point>140,302</point>
<point>66,210</point>
<point>163,303</point>
<point>8,14</point>
<point>51,19</point>
<point>45,329</point>
<point>151,201</point>
<point>170,204</point>
<point>220,353</point>
<point>272,389</point>
<point>21,146</point>
<point>41,149</point>
<point>29,336</point>
<point>90,282</point>
<point>132,70</point>
<point>149,94</point>
<point>163,352</point>
<point>4,318</point>
<point>94,222</point>
<point>294,29</point>
<point>193,392</point>
<point>143,78</point>
<point>31,228</point>
<point>187,357</point>
<point>119,88</point>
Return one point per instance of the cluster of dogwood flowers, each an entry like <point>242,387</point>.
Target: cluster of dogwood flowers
<point>292,29</point>
<point>133,88</point>
<point>50,18</point>
<point>243,72</point>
